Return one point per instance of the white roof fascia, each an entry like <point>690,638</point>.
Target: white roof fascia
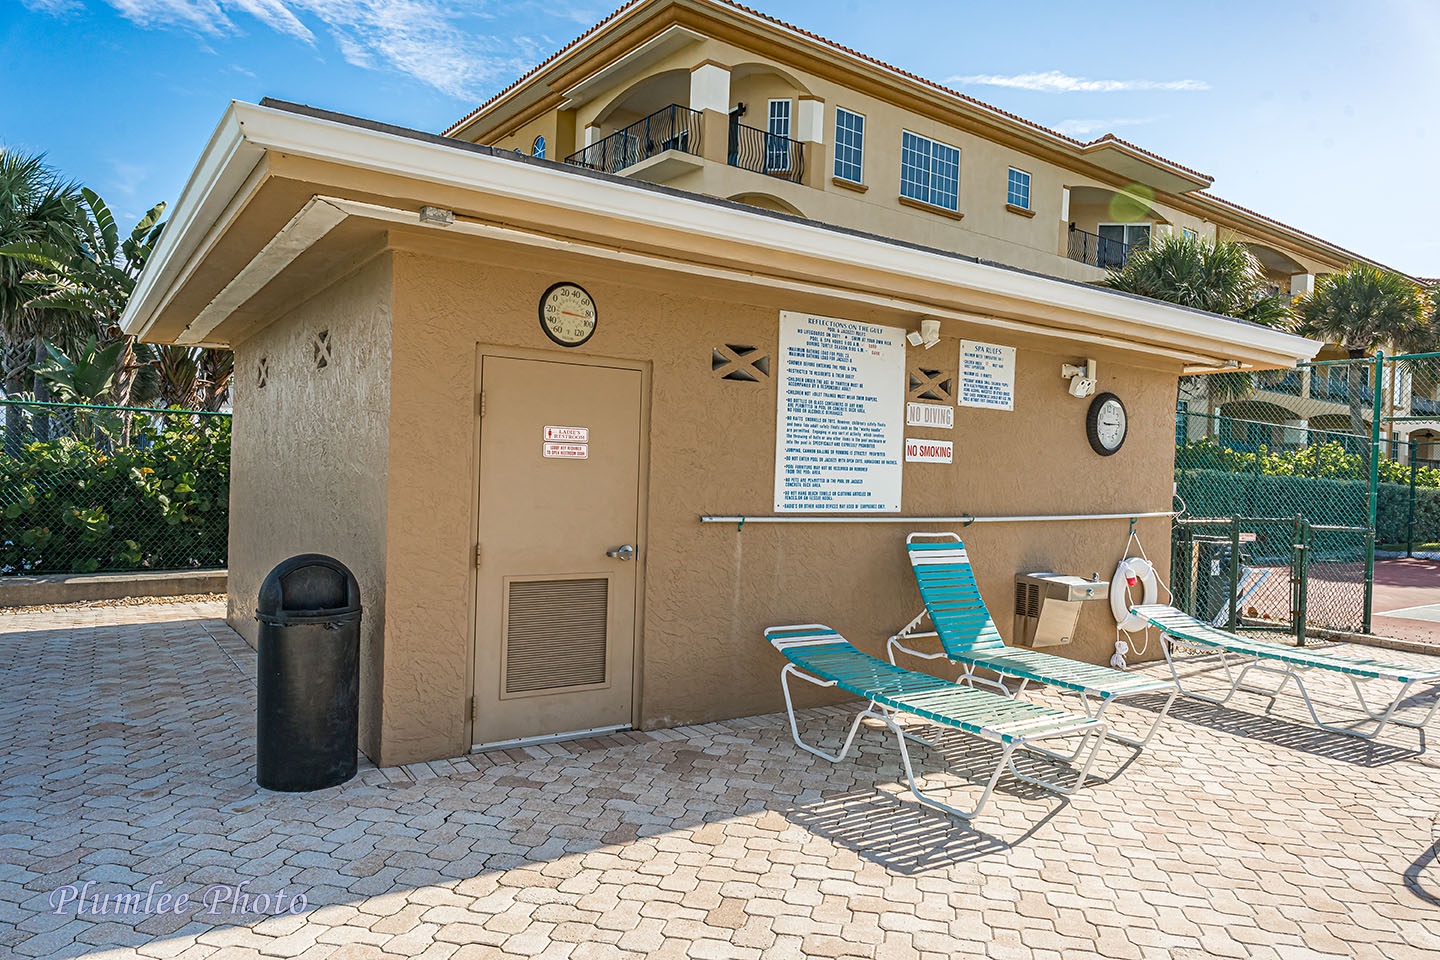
<point>264,128</point>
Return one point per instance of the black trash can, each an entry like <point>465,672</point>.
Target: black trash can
<point>308,703</point>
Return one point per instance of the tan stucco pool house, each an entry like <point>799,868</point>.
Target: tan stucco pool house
<point>529,403</point>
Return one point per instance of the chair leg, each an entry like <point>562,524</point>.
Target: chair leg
<point>930,801</point>
<point>1094,737</point>
<point>785,675</point>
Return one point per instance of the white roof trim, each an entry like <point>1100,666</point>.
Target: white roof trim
<point>248,131</point>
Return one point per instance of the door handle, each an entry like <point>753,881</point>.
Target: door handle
<point>626,552</point>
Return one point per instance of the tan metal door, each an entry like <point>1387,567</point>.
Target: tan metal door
<point>560,449</point>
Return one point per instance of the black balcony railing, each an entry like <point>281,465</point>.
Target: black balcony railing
<point>1280,381</point>
<point>1098,251</point>
<point>670,128</point>
<point>765,152</point>
<point>1424,407</point>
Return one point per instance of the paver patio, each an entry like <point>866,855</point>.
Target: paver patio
<point>126,759</point>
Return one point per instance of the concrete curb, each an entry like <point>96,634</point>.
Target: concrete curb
<point>79,587</point>
<point>1371,640</point>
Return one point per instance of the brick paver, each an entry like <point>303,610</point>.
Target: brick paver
<point>126,769</point>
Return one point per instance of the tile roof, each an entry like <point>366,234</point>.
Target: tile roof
<point>916,78</point>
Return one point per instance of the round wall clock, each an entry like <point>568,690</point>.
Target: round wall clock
<point>1106,424</point>
<point>567,314</point>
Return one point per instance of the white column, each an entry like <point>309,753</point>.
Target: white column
<point>1302,284</point>
<point>710,87</point>
<point>810,120</point>
<point>1065,204</point>
<point>592,133</point>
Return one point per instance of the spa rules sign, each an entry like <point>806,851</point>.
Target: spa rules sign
<point>840,419</point>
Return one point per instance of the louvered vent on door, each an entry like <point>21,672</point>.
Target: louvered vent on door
<point>555,634</point>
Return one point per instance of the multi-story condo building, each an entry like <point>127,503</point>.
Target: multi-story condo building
<point>715,98</point>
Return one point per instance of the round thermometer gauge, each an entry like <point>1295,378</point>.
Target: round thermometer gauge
<point>567,314</point>
<point>1106,424</point>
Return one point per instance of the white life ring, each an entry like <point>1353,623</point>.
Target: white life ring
<point>1129,571</point>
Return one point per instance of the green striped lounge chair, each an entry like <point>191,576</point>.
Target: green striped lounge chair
<point>969,638</point>
<point>1179,632</point>
<point>821,656</point>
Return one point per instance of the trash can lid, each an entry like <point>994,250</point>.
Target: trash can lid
<point>308,587</point>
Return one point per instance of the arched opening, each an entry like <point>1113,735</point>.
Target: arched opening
<point>649,118</point>
<point>1278,266</point>
<point>1427,447</point>
<point>767,202</point>
<point>1105,225</point>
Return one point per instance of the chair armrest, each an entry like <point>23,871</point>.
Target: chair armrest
<point>894,644</point>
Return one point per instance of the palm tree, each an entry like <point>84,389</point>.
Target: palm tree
<point>1364,308</point>
<point>89,276</point>
<point>34,208</point>
<point>1220,276</point>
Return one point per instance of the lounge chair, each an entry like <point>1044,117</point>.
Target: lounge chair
<point>1179,629</point>
<point>968,637</point>
<point>821,656</point>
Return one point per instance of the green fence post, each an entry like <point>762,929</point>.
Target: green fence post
<point>1234,573</point>
<point>1410,514</point>
<point>1373,497</point>
<point>1301,613</point>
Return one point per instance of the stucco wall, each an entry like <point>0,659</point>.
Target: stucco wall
<point>711,589</point>
<point>308,470</point>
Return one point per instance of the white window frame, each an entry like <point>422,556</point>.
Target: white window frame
<point>859,147</point>
<point>930,170</point>
<point>1149,226</point>
<point>1189,233</point>
<point>538,146</point>
<point>777,152</point>
<point>1029,181</point>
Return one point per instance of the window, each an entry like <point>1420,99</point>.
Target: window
<point>1017,194</point>
<point>849,145</point>
<point>929,171</point>
<point>1190,234</point>
<point>1118,240</point>
<point>777,144</point>
<point>537,149</point>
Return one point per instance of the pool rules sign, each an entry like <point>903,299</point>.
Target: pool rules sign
<point>840,419</point>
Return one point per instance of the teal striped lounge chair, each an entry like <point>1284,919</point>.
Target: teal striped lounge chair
<point>1180,630</point>
<point>821,656</point>
<point>968,637</point>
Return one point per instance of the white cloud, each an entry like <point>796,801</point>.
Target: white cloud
<point>1083,128</point>
<point>53,7</point>
<point>451,46</point>
<point>1053,81</point>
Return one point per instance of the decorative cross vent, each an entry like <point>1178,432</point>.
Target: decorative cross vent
<point>321,344</point>
<point>735,361</point>
<point>262,373</point>
<point>928,384</point>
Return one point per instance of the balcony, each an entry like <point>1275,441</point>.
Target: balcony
<point>767,153</point>
<point>1424,407</point>
<point>1098,251</point>
<point>1287,382</point>
<point>657,148</point>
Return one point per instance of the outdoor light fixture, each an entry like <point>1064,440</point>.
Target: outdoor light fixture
<point>928,335</point>
<point>437,215</point>
<point>1082,379</point>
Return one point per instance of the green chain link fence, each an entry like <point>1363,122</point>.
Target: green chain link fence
<point>1300,475</point>
<point>89,488</point>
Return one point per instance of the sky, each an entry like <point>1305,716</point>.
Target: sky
<point>1322,114</point>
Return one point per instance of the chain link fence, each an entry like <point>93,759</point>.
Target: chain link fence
<point>1299,475</point>
<point>87,489</point>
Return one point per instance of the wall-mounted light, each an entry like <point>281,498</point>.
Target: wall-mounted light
<point>1082,379</point>
<point>927,336</point>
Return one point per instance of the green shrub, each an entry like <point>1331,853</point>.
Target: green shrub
<point>87,503</point>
